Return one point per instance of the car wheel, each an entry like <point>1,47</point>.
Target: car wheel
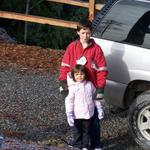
<point>139,120</point>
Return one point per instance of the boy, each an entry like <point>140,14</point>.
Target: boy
<point>86,52</point>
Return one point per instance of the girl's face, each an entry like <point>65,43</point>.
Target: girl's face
<point>79,76</point>
<point>84,35</point>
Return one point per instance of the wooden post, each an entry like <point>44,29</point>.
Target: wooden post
<point>38,19</point>
<point>91,5</point>
<point>91,9</point>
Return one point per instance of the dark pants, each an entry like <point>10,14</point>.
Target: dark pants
<point>95,131</point>
<point>81,133</point>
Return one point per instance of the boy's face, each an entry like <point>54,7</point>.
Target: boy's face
<point>84,34</point>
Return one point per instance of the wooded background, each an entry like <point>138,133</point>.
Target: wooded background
<point>39,34</point>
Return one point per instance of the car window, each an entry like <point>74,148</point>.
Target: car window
<point>127,22</point>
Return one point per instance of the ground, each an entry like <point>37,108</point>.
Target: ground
<point>25,59</point>
<point>29,58</point>
<point>32,110</point>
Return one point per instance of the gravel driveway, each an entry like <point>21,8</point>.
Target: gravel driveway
<point>32,110</point>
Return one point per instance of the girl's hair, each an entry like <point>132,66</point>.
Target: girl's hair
<point>79,68</point>
<point>84,24</point>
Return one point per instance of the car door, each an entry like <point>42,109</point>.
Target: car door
<point>124,35</point>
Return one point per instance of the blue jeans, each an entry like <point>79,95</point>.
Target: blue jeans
<point>95,131</point>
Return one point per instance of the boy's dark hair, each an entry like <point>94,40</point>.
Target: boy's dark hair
<point>84,24</point>
<point>79,68</point>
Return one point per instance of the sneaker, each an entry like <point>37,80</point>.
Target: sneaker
<point>76,148</point>
<point>1,141</point>
<point>97,149</point>
<point>73,148</point>
<point>70,146</point>
<point>84,149</point>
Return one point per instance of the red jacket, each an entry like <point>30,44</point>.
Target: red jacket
<point>95,64</point>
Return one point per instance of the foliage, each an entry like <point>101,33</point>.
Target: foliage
<point>24,58</point>
<point>39,34</point>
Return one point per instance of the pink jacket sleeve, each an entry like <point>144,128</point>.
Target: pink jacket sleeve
<point>69,101</point>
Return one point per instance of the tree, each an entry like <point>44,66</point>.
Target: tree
<point>39,34</point>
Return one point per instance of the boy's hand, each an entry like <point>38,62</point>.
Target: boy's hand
<point>99,94</point>
<point>63,89</point>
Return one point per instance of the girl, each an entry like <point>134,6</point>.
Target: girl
<point>80,106</point>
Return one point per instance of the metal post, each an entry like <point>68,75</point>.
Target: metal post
<point>26,23</point>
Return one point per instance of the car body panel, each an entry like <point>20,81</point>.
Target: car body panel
<point>125,63</point>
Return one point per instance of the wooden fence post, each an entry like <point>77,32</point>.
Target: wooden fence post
<point>91,5</point>
<point>91,9</point>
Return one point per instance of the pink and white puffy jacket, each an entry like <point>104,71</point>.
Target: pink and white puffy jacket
<point>80,99</point>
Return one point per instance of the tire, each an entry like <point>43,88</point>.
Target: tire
<point>139,120</point>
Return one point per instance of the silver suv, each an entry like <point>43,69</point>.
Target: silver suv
<point>122,29</point>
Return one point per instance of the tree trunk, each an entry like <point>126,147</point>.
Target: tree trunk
<point>26,23</point>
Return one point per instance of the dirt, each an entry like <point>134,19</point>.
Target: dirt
<point>29,58</point>
<point>31,109</point>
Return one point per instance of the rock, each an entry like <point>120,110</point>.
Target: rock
<point>4,37</point>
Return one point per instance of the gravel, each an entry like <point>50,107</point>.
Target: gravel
<point>32,110</point>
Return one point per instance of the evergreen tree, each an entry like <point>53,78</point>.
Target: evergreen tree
<point>40,34</point>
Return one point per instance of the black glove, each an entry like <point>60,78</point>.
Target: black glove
<point>63,89</point>
<point>99,94</point>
